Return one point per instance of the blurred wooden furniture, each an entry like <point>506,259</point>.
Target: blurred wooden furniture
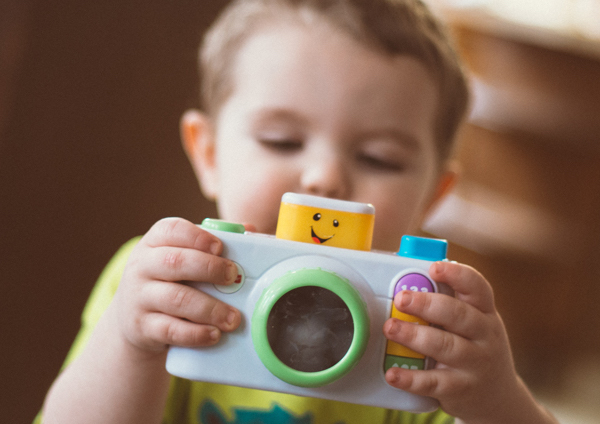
<point>531,162</point>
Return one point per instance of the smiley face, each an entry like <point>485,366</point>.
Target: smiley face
<point>331,222</point>
<point>320,240</point>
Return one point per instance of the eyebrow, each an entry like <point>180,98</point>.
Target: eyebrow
<point>266,115</point>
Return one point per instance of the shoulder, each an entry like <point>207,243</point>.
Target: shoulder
<point>100,297</point>
<point>107,283</point>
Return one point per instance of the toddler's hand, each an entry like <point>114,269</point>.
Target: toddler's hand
<point>475,375</point>
<point>154,309</point>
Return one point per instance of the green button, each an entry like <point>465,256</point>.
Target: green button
<point>402,362</point>
<point>220,225</point>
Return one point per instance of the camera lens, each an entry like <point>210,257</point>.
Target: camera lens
<point>310,329</point>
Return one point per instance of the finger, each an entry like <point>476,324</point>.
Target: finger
<point>169,330</point>
<point>453,314</point>
<point>434,383</point>
<point>250,227</point>
<point>179,232</point>
<point>189,303</point>
<point>178,264</point>
<point>470,286</point>
<point>441,345</point>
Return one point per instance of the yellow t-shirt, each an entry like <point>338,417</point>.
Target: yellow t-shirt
<point>191,402</point>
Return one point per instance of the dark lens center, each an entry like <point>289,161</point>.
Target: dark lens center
<point>310,329</point>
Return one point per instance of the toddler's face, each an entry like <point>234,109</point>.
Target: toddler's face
<point>317,112</point>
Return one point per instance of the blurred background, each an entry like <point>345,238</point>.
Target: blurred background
<point>90,98</point>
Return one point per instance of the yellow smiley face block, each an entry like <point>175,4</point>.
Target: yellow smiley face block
<point>330,222</point>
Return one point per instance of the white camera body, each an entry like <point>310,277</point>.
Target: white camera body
<point>336,350</point>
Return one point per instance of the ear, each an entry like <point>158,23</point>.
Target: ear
<point>446,182</point>
<point>197,137</point>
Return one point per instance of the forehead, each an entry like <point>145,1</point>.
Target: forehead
<point>324,74</point>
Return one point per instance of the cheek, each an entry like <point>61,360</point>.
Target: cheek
<point>251,192</point>
<point>390,225</point>
<point>397,214</point>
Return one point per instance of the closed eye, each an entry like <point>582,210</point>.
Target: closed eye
<point>377,163</point>
<point>282,145</point>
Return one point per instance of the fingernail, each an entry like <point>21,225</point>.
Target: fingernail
<point>214,334</point>
<point>405,298</point>
<point>393,327</point>
<point>231,272</point>
<point>231,316</point>
<point>391,377</point>
<point>214,248</point>
<point>438,267</point>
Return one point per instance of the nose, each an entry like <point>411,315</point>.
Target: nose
<point>326,175</point>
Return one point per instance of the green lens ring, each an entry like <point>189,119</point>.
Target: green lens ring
<point>303,278</point>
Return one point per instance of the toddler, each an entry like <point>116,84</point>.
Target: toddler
<point>350,99</point>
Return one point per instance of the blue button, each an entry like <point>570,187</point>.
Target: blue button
<point>427,249</point>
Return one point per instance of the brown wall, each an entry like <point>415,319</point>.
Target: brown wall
<point>89,157</point>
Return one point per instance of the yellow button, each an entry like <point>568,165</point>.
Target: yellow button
<point>396,349</point>
<point>408,318</point>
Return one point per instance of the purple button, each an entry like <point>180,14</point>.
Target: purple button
<point>414,282</point>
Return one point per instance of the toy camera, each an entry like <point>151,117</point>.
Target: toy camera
<point>314,299</point>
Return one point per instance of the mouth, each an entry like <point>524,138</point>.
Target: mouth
<point>318,239</point>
